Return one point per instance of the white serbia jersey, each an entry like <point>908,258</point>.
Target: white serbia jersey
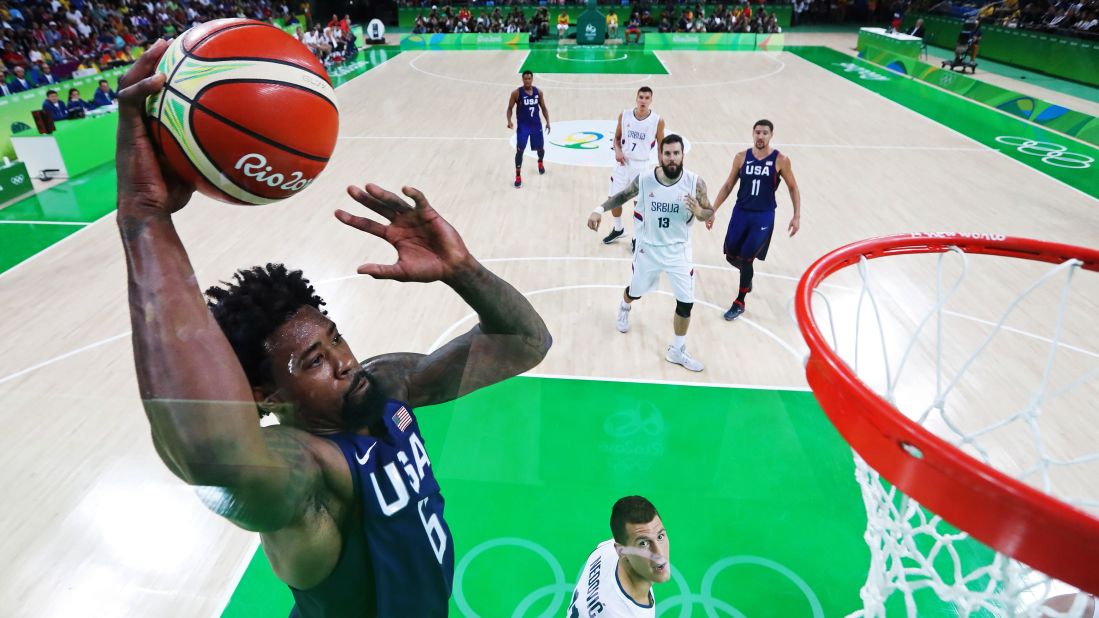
<point>599,594</point>
<point>662,212</point>
<point>638,136</point>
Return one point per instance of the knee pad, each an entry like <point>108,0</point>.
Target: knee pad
<point>683,310</point>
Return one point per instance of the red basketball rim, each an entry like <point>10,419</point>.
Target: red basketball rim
<point>1005,514</point>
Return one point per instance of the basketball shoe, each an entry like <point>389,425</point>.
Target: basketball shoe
<point>623,322</point>
<point>680,356</point>
<point>518,181</point>
<point>734,311</point>
<point>541,168</point>
<point>613,236</point>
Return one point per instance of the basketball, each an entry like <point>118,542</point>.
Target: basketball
<point>247,114</point>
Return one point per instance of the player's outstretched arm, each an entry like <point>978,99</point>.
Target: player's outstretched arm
<point>510,337</point>
<point>198,401</point>
<point>611,203</point>
<point>786,170</point>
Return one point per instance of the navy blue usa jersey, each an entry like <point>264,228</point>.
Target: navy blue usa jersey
<point>758,182</point>
<point>409,555</point>
<point>529,108</point>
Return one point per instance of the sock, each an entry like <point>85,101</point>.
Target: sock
<point>624,306</point>
<point>518,161</point>
<point>746,272</point>
<point>680,341</point>
<point>617,223</point>
<point>541,155</point>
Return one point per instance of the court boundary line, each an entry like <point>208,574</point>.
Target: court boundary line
<point>242,568</point>
<point>758,387</point>
<point>45,223</point>
<point>941,125</point>
<point>31,258</point>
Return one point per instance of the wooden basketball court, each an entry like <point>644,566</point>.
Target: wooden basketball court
<point>96,525</point>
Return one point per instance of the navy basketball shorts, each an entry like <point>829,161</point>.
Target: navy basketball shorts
<point>534,134</point>
<point>749,234</point>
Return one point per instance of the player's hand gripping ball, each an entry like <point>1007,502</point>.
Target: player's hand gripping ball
<point>247,114</point>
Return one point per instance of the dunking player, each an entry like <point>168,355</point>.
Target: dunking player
<point>637,133</point>
<point>342,491</point>
<point>671,198</point>
<point>617,580</point>
<point>760,169</point>
<point>530,100</point>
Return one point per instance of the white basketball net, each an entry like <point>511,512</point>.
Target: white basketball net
<point>913,552</point>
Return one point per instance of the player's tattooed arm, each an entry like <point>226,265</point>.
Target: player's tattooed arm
<point>612,202</point>
<point>700,205</point>
<point>622,196</point>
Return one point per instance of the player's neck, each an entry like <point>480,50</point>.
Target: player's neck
<point>636,588</point>
<point>638,115</point>
<point>761,154</point>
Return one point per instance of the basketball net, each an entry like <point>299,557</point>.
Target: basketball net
<point>913,551</point>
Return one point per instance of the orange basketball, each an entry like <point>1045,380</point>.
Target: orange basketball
<point>248,114</point>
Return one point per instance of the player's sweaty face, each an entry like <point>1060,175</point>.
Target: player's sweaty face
<point>644,100</point>
<point>527,81</point>
<point>761,135</point>
<point>647,552</point>
<point>314,369</point>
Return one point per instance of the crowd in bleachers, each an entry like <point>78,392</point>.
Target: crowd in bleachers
<point>45,41</point>
<point>1070,17</point>
<point>741,17</point>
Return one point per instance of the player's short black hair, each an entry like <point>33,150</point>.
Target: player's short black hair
<point>764,123</point>
<point>671,138</point>
<point>528,72</point>
<point>630,510</point>
<point>253,306</point>
<point>644,89</point>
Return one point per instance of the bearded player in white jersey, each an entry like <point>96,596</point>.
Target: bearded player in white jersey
<point>618,577</point>
<point>638,131</point>
<point>670,199</point>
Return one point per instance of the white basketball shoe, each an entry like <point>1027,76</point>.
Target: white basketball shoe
<point>623,322</point>
<point>680,356</point>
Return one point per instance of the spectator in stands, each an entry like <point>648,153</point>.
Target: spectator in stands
<point>75,102</point>
<point>20,83</point>
<point>104,95</point>
<point>5,90</point>
<point>45,75</point>
<point>562,24</point>
<point>54,107</point>
<point>917,30</point>
<point>612,24</point>
<point>634,28</point>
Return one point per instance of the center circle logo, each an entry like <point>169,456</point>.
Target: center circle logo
<point>588,143</point>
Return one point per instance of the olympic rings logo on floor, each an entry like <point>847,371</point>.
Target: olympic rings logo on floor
<point>561,589</point>
<point>1051,153</point>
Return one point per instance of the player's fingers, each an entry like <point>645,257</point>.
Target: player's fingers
<point>388,198</point>
<point>144,66</point>
<point>378,206</point>
<point>361,223</point>
<point>381,271</point>
<point>417,197</point>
